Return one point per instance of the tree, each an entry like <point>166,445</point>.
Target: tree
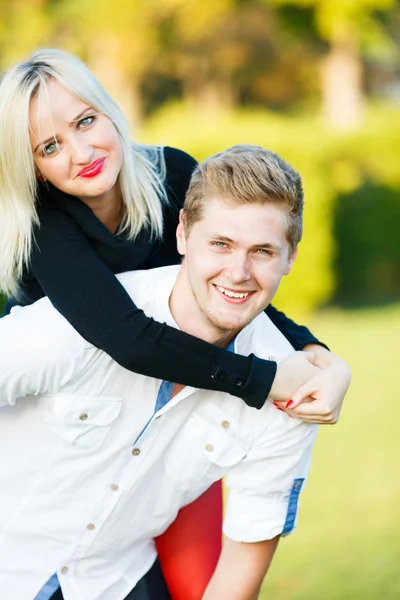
<point>118,39</point>
<point>200,51</point>
<point>24,26</point>
<point>348,26</point>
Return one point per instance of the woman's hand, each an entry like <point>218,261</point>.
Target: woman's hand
<point>320,399</point>
<point>292,372</point>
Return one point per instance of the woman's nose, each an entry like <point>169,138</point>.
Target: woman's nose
<point>81,152</point>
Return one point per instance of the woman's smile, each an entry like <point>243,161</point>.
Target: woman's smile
<point>92,170</point>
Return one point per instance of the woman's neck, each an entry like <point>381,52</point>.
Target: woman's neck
<point>108,209</point>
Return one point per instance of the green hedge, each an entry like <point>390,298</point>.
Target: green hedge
<point>366,226</point>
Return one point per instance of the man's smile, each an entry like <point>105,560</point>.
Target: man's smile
<point>235,296</point>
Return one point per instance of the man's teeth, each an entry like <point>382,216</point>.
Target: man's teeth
<point>232,294</point>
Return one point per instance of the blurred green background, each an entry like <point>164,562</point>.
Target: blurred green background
<point>317,81</point>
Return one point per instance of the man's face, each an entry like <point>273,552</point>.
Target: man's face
<point>235,257</point>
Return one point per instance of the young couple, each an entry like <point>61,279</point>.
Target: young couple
<point>125,399</point>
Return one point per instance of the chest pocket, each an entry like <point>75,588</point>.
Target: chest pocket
<point>83,422</point>
<point>204,449</point>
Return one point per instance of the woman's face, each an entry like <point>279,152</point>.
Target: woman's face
<point>76,149</point>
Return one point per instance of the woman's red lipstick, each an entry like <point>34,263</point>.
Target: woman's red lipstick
<point>92,170</point>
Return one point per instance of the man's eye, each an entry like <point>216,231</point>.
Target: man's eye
<point>86,121</point>
<point>219,244</point>
<point>263,252</point>
<point>50,149</point>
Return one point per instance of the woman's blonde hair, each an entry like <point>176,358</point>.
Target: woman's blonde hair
<point>141,178</point>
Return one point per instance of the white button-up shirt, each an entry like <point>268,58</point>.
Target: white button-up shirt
<point>85,484</point>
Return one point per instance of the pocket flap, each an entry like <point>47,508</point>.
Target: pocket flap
<point>223,450</point>
<point>86,411</point>
<point>77,416</point>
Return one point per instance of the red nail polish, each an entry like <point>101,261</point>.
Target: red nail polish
<point>289,404</point>
<point>279,408</point>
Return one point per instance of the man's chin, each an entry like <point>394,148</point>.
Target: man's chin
<point>229,325</point>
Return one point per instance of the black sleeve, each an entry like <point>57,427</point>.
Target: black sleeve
<point>298,335</point>
<point>86,292</point>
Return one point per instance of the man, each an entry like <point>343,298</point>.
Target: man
<point>100,460</point>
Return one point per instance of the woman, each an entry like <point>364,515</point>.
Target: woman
<point>80,202</point>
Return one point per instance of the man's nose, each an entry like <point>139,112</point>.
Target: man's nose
<point>239,268</point>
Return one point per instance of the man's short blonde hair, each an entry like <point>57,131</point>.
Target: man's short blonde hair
<point>247,174</point>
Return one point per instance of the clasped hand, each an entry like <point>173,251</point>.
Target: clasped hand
<point>311,385</point>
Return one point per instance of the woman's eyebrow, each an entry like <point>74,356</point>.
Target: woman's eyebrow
<point>50,139</point>
<point>77,118</point>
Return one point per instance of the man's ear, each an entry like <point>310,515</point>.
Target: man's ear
<point>180,235</point>
<point>291,261</point>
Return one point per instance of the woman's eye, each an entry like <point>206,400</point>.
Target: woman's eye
<point>86,121</point>
<point>50,149</point>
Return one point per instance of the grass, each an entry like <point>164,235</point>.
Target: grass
<point>347,544</point>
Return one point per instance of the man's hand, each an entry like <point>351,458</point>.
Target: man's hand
<point>320,399</point>
<point>240,570</point>
<point>291,374</point>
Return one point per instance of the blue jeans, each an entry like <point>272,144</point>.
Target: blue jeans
<point>151,587</point>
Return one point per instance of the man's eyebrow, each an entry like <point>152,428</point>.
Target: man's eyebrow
<point>268,245</point>
<point>221,238</point>
<point>77,118</point>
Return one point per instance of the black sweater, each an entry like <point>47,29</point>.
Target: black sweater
<point>73,262</point>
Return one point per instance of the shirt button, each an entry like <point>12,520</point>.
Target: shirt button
<point>225,424</point>
<point>64,570</point>
<point>239,382</point>
<point>210,448</point>
<point>272,358</point>
<point>114,487</point>
<point>136,452</point>
<point>297,484</point>
<point>90,527</point>
<point>83,417</point>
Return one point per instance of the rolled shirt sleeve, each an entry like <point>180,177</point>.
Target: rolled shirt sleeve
<point>39,351</point>
<point>264,487</point>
